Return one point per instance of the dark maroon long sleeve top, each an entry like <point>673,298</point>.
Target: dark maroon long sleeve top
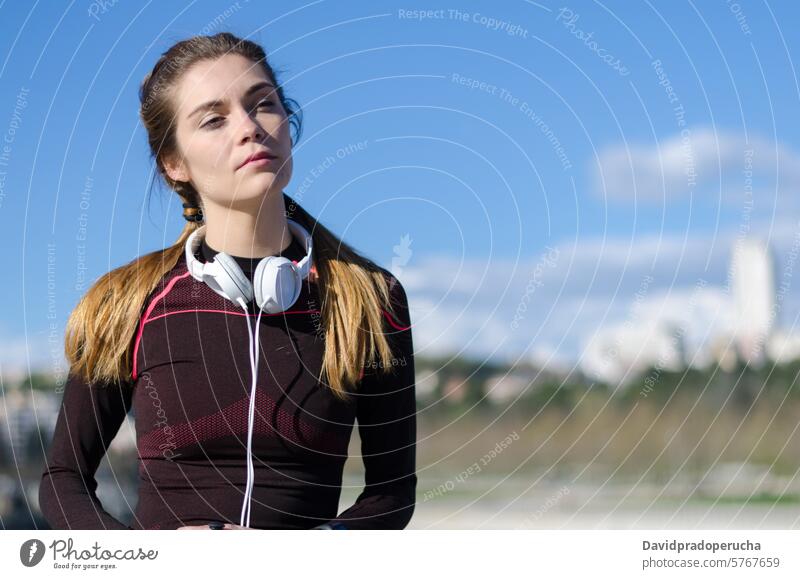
<point>189,394</point>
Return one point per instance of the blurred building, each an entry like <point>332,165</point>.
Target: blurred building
<point>454,389</point>
<point>504,388</point>
<point>621,353</point>
<point>783,347</point>
<point>724,327</point>
<point>25,415</point>
<point>723,351</point>
<point>427,382</point>
<point>753,289</point>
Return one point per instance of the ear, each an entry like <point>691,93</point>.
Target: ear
<point>176,169</point>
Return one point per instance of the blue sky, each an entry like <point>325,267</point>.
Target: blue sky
<point>492,137</point>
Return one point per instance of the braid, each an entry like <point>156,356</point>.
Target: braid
<point>191,207</point>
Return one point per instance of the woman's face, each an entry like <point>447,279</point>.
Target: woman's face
<point>215,140</point>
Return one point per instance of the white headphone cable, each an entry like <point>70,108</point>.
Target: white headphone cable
<point>245,514</point>
<point>252,417</point>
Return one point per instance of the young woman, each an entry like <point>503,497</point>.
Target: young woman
<point>248,349</point>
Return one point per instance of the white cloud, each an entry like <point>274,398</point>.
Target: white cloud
<point>704,162</point>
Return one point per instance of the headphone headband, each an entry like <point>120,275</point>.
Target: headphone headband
<point>199,269</point>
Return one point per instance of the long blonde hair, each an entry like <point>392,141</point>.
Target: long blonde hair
<point>100,332</point>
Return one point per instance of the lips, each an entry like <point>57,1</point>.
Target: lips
<point>257,156</point>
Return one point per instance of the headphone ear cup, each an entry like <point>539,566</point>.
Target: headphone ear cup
<point>276,284</point>
<point>231,279</point>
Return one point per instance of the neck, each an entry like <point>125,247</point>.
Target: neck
<point>248,233</point>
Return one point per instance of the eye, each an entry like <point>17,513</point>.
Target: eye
<point>212,123</point>
<point>266,102</point>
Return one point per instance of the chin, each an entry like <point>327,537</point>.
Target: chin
<point>254,185</point>
<point>255,193</point>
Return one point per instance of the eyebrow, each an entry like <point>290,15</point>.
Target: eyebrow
<point>215,103</point>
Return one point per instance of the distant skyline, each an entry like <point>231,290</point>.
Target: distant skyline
<point>530,172</point>
<point>711,325</point>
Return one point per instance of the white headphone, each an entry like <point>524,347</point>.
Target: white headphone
<point>277,283</point>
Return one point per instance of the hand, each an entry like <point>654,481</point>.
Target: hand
<point>227,527</point>
<point>232,527</point>
<point>331,525</point>
<point>194,528</point>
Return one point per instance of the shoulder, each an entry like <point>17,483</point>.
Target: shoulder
<point>175,289</point>
<point>397,310</point>
<point>393,285</point>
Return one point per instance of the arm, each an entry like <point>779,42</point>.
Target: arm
<point>387,426</point>
<point>88,420</point>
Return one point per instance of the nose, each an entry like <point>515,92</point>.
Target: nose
<point>249,128</point>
